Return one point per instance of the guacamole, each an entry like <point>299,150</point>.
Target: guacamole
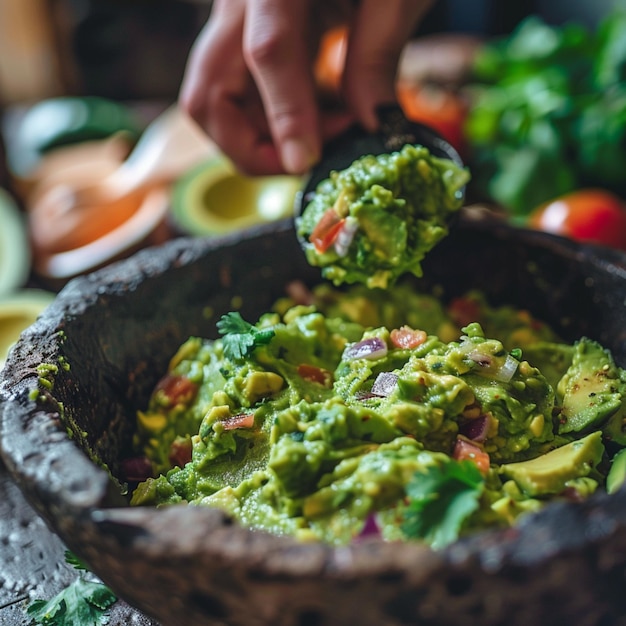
<point>384,412</point>
<point>377,219</point>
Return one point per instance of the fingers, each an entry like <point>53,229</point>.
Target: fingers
<point>218,92</point>
<point>249,79</point>
<point>378,35</point>
<point>204,76</point>
<point>279,57</point>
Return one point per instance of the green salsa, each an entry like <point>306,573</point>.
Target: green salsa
<point>384,410</point>
<point>377,219</point>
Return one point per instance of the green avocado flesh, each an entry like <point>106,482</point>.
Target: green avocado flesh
<point>376,220</point>
<point>381,409</point>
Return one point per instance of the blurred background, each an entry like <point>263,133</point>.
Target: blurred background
<point>125,49</point>
<point>531,92</point>
<point>135,49</point>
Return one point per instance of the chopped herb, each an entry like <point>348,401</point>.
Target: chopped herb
<point>75,562</point>
<point>441,499</point>
<point>241,337</point>
<point>82,603</point>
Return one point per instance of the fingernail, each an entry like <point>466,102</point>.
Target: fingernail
<point>297,156</point>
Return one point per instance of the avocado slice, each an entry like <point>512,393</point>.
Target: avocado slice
<point>549,473</point>
<point>592,389</point>
<point>615,427</point>
<point>617,474</point>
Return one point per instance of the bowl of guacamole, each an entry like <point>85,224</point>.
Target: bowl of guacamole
<point>222,434</point>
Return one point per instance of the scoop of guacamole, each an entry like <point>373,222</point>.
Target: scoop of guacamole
<point>377,219</point>
<point>381,412</point>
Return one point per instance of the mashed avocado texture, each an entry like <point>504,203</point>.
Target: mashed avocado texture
<point>385,412</point>
<point>376,220</point>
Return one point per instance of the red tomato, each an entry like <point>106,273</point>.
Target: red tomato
<point>327,230</point>
<point>176,390</point>
<point>435,107</point>
<point>464,311</point>
<point>315,374</point>
<point>243,420</point>
<point>406,337</point>
<point>180,452</point>
<point>471,451</point>
<point>589,215</point>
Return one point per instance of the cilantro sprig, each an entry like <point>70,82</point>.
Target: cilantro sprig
<point>441,499</point>
<point>82,603</point>
<point>240,338</point>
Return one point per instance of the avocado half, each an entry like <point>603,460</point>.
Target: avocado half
<point>18,310</point>
<point>215,199</point>
<point>15,258</point>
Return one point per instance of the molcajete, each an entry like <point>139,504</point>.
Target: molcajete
<point>106,340</point>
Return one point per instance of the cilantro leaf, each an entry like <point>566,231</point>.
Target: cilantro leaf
<point>82,603</point>
<point>441,499</point>
<point>74,561</point>
<point>241,337</point>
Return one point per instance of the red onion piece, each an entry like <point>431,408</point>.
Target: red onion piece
<point>345,236</point>
<point>365,395</point>
<point>372,348</point>
<point>490,367</point>
<point>508,369</point>
<point>136,469</point>
<point>476,429</point>
<point>384,384</point>
<point>370,528</point>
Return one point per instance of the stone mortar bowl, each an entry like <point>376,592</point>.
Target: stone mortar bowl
<point>116,330</point>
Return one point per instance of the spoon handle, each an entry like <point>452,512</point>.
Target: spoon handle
<point>396,131</point>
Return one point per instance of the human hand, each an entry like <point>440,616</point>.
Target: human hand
<point>249,80</point>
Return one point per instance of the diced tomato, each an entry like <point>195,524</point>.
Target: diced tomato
<point>406,337</point>
<point>464,311</point>
<point>589,215</point>
<point>468,450</point>
<point>315,374</point>
<point>244,420</point>
<point>177,389</point>
<point>180,452</point>
<point>327,230</point>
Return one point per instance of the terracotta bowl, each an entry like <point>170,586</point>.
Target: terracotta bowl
<point>111,335</point>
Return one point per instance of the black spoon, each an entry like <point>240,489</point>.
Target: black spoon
<point>395,131</point>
